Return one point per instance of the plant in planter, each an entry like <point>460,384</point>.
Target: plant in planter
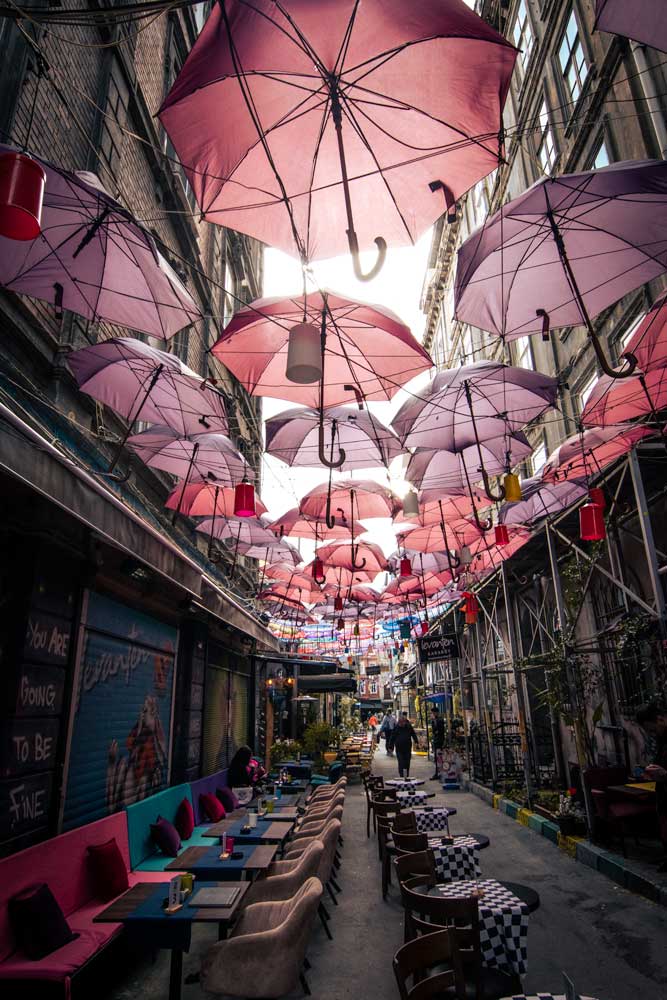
<point>317,738</point>
<point>283,750</point>
<point>569,815</point>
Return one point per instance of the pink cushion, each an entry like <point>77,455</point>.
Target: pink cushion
<point>63,962</point>
<point>212,807</point>
<point>62,864</point>
<point>184,820</point>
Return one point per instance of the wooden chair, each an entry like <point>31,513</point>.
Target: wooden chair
<point>386,848</point>
<point>425,955</point>
<point>405,822</point>
<point>408,843</point>
<point>411,865</point>
<point>371,784</point>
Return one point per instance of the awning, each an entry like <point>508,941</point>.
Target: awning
<point>339,683</point>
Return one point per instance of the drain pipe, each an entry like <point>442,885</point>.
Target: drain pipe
<point>647,84</point>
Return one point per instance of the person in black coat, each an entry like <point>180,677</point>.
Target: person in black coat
<point>404,736</point>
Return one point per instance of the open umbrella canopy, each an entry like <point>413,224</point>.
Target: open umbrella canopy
<point>431,538</point>
<point>329,110</point>
<point>308,595</point>
<point>642,20</point>
<point>476,402</point>
<point>205,500</point>
<point>283,552</point>
<point>142,383</point>
<point>293,436</point>
<point>295,525</point>
<point>451,508</point>
<point>198,457</point>
<point>434,470</point>
<point>349,556</point>
<point>286,573</point>
<point>540,499</point>
<point>94,258</point>
<point>424,562</point>
<point>350,500</point>
<point>586,454</point>
<point>368,349</point>
<point>240,531</point>
<point>564,250</point>
<point>340,576</point>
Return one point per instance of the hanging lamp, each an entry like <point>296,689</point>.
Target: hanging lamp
<point>406,567</point>
<point>410,504</point>
<point>338,603</point>
<point>304,354</point>
<point>596,496</point>
<point>512,487</point>
<point>22,183</point>
<point>244,500</point>
<point>318,569</point>
<point>502,535</point>
<point>424,627</point>
<point>591,523</point>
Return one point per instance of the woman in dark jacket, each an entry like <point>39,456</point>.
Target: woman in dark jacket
<point>404,735</point>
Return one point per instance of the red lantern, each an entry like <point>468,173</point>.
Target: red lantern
<point>596,495</point>
<point>424,628</point>
<point>470,608</point>
<point>340,624</point>
<point>318,568</point>
<point>406,567</point>
<point>244,500</point>
<point>502,535</point>
<point>591,523</point>
<point>22,182</point>
<point>338,602</point>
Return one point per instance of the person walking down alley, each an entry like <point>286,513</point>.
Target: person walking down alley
<point>404,737</point>
<point>437,739</point>
<point>388,726</point>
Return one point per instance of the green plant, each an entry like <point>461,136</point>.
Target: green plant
<point>283,750</point>
<point>318,737</point>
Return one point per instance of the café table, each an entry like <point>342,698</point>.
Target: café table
<point>530,897</point>
<point>405,783</point>
<point>430,818</point>
<point>408,799</point>
<point>503,922</point>
<point>272,832</point>
<point>141,912</point>
<point>458,861</point>
<point>205,862</point>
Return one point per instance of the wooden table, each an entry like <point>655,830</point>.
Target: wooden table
<point>204,862</point>
<point>123,911</point>
<point>273,832</point>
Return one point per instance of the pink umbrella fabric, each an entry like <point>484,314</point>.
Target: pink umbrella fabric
<point>426,562</point>
<point>198,457</point>
<point>340,554</point>
<point>430,539</point>
<point>540,500</point>
<point>587,454</point>
<point>611,225</point>
<point>286,573</point>
<point>293,437</point>
<point>432,470</point>
<point>642,20</point>
<point>402,80</point>
<point>451,508</point>
<point>352,500</point>
<point>205,500</point>
<point>295,525</point>
<point>367,347</point>
<point>241,531</point>
<point>140,382</point>
<point>480,401</point>
<point>94,258</point>
<point>342,577</point>
<point>283,552</point>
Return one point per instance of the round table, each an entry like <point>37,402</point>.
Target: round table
<point>481,839</point>
<point>523,892</point>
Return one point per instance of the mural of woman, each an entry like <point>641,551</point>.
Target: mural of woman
<point>144,769</point>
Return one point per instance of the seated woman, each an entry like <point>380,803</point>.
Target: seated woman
<point>244,771</point>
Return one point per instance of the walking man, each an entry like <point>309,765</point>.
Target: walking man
<point>388,726</point>
<point>437,738</point>
<point>404,736</point>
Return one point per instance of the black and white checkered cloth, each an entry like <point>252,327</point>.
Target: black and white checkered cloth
<point>405,784</point>
<point>432,818</point>
<point>503,924</point>
<point>457,861</point>
<point>408,799</point>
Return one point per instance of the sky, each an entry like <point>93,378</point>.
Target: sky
<point>398,287</point>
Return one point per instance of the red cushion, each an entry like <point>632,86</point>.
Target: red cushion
<point>228,799</point>
<point>108,869</point>
<point>185,819</point>
<point>212,807</point>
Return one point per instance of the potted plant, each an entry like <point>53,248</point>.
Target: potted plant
<point>283,750</point>
<point>569,815</point>
<point>317,738</point>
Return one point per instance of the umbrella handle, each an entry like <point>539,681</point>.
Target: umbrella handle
<point>614,373</point>
<point>483,527</point>
<point>361,565</point>
<point>487,488</point>
<point>330,463</point>
<point>358,393</point>
<point>353,244</point>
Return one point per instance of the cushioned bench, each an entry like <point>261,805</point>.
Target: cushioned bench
<point>63,864</point>
<point>202,786</point>
<point>144,855</point>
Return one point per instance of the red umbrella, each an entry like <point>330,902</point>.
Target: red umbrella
<point>584,455</point>
<point>206,500</point>
<point>295,525</point>
<point>390,107</point>
<point>347,556</point>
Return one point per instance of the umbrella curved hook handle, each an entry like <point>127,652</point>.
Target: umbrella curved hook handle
<point>489,492</point>
<point>353,244</point>
<point>483,526</point>
<point>630,359</point>
<point>358,394</point>
<point>354,564</point>
<point>330,463</point>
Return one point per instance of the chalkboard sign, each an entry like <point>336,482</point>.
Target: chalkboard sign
<point>47,638</point>
<point>373,671</point>
<point>24,804</point>
<point>438,647</point>
<point>28,745</point>
<point>40,690</point>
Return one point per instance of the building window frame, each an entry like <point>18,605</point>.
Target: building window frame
<point>572,63</point>
<point>547,143</point>
<point>524,38</point>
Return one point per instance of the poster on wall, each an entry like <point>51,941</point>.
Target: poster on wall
<point>119,750</point>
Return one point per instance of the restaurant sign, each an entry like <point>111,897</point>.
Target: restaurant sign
<point>439,647</point>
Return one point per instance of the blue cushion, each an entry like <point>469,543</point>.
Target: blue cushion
<point>141,814</point>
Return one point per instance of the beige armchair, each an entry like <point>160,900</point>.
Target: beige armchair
<point>326,791</point>
<point>275,887</point>
<point>321,808</point>
<point>264,957</point>
<point>312,828</point>
<point>329,837</point>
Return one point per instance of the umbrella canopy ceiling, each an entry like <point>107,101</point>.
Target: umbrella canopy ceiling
<point>295,525</point>
<point>432,470</point>
<point>140,382</point>
<point>350,500</point>
<point>475,402</point>
<point>586,454</point>
<point>431,539</point>
<point>641,20</point>
<point>206,500</point>
<point>293,437</point>
<point>342,554</point>
<point>326,104</point>
<point>198,457</point>
<point>282,553</point>
<point>540,500</point>
<point>369,350</point>
<point>240,531</point>
<point>94,258</point>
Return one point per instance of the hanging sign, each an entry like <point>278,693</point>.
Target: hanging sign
<point>405,628</point>
<point>438,647</point>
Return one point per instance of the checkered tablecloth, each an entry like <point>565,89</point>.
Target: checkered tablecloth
<point>457,861</point>
<point>431,818</point>
<point>405,784</point>
<point>408,799</point>
<point>503,924</point>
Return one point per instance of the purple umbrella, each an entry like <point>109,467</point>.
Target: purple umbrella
<point>294,435</point>
<point>283,552</point>
<point>198,458</point>
<point>94,258</point>
<point>642,20</point>
<point>443,471</point>
<point>138,381</point>
<point>564,250</point>
<point>540,500</point>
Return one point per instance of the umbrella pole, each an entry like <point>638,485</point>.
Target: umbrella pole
<point>597,346</point>
<point>421,563</point>
<point>454,562</point>
<point>488,524</point>
<point>485,475</point>
<point>353,242</point>
<point>185,485</point>
<point>151,385</point>
<point>236,552</point>
<point>261,581</point>
<point>215,507</point>
<point>329,463</point>
<point>354,548</point>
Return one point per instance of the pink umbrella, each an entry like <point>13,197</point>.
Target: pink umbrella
<point>451,508</point>
<point>283,552</point>
<point>241,530</point>
<point>350,500</point>
<point>295,525</point>
<point>294,436</point>
<point>433,539</point>
<point>426,562</point>
<point>584,455</point>
<point>540,499</point>
<point>642,20</point>
<point>142,383</point>
<point>391,107</point>
<point>339,575</point>
<point>199,456</point>
<point>287,573</point>
<point>205,499</point>
<point>436,470</point>
<point>94,258</point>
<point>347,556</point>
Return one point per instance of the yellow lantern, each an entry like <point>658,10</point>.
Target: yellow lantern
<point>512,487</point>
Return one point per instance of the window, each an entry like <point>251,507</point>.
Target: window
<point>113,122</point>
<point>629,332</point>
<point>524,353</point>
<point>546,150</point>
<point>229,302</point>
<point>176,165</point>
<point>523,35</point>
<point>572,60</point>
<point>601,158</point>
<point>586,390</point>
<point>538,458</point>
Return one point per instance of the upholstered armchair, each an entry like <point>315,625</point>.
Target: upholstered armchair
<point>275,886</point>
<point>313,828</point>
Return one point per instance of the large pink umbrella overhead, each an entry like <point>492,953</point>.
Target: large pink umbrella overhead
<point>200,499</point>
<point>564,250</point>
<point>349,555</point>
<point>540,500</point>
<point>294,525</point>
<point>349,501</point>
<point>198,457</point>
<point>586,454</point>
<point>293,437</point>
<point>434,470</point>
<point>383,110</point>
<point>642,20</point>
